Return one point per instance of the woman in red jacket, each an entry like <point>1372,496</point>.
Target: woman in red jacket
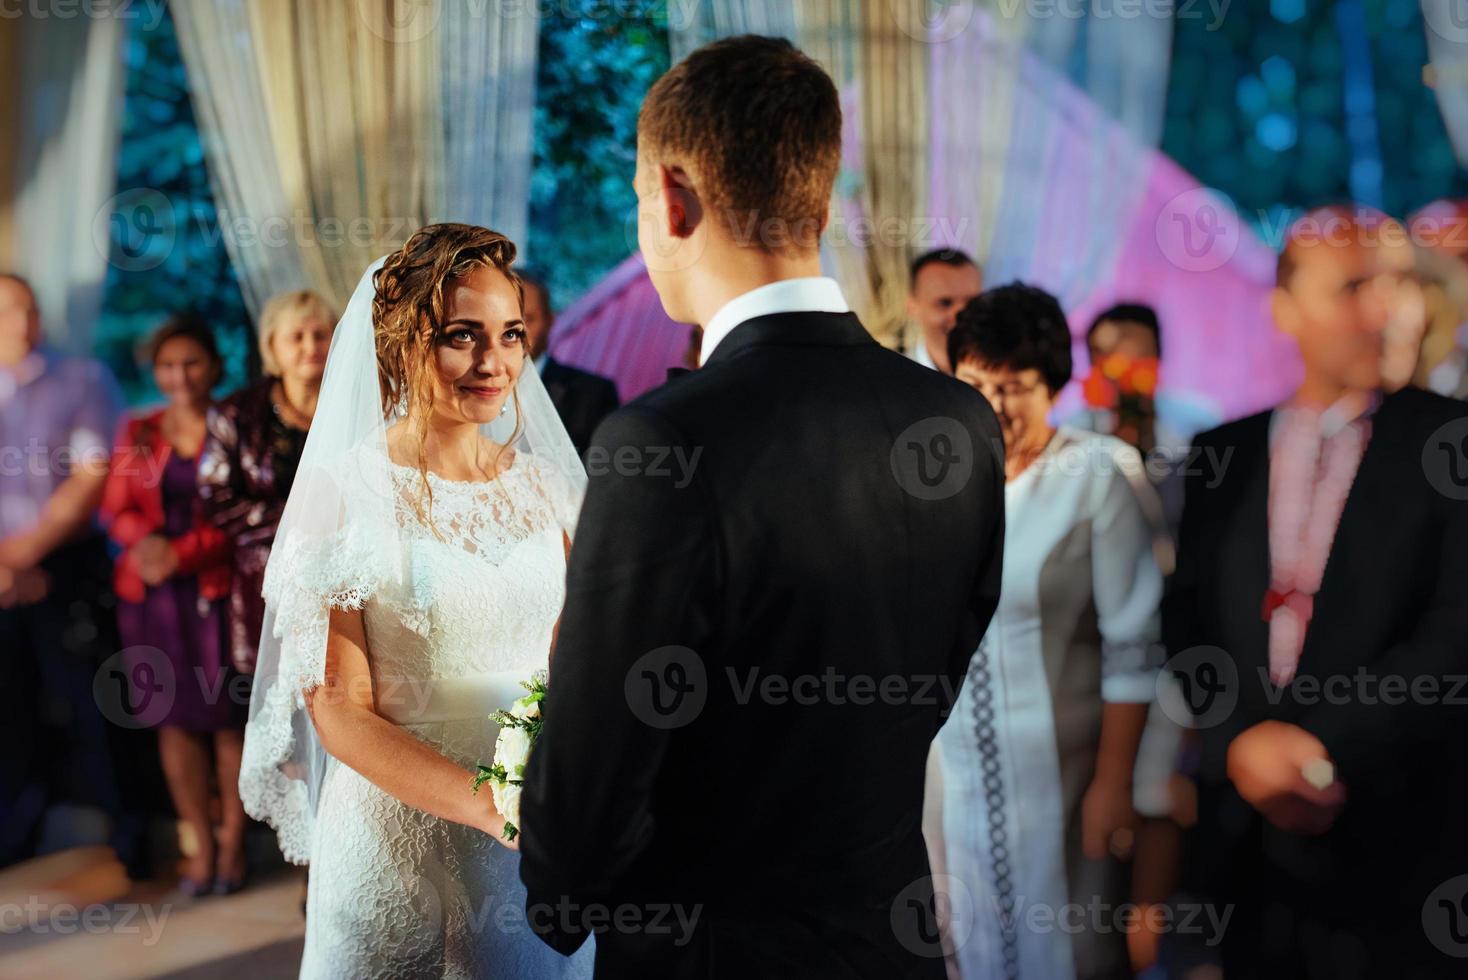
<point>171,575</point>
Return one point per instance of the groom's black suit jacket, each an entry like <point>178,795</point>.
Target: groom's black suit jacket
<point>1392,611</point>
<point>801,558</point>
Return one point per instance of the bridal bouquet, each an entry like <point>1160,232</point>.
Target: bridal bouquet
<point>519,728</point>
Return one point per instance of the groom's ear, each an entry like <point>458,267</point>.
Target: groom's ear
<point>682,209</point>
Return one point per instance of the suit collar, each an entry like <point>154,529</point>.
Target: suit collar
<point>801,294</point>
<point>793,330</point>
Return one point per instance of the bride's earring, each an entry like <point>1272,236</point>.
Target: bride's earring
<point>504,408</point>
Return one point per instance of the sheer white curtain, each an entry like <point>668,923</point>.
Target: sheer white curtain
<point>1118,55</point>
<point>233,113</point>
<point>69,114</point>
<point>877,203</point>
<point>1051,179</point>
<point>1017,132</point>
<point>694,23</point>
<point>1447,52</point>
<point>335,128</point>
<point>488,97</point>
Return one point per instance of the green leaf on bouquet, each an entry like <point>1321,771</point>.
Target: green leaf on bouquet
<point>495,773</point>
<point>511,831</point>
<point>481,777</point>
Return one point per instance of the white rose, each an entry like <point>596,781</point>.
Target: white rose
<point>525,709</point>
<point>511,749</point>
<point>507,802</point>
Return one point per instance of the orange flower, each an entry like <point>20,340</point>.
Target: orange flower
<point>1114,366</point>
<point>1142,379</point>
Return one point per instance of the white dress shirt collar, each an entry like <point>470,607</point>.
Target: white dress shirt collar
<point>921,355</point>
<point>810,294</point>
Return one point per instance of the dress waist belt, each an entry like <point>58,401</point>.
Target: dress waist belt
<point>436,699</point>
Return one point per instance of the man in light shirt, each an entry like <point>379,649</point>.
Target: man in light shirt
<point>942,283</point>
<point>57,415</point>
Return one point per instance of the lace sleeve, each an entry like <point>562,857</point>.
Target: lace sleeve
<point>308,576</point>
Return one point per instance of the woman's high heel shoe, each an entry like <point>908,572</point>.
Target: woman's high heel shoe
<point>195,887</point>
<point>228,886</point>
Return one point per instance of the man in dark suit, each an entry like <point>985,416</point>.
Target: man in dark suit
<point>582,399</point>
<point>773,596</point>
<point>1319,625</point>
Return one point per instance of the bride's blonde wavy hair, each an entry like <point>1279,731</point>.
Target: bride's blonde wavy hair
<point>408,314</point>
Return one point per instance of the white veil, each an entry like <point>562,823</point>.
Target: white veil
<point>338,542</point>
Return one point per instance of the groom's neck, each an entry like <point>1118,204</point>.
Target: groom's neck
<point>728,271</point>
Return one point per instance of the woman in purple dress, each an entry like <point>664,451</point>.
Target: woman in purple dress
<point>171,577</point>
<point>255,440</point>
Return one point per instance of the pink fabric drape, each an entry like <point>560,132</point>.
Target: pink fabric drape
<point>619,330</point>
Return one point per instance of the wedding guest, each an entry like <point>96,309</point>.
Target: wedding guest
<point>940,284</point>
<point>1404,277</point>
<point>1125,397</point>
<point>1124,344</point>
<point>1317,615</point>
<point>1037,758</point>
<point>255,440</point>
<point>172,577</point>
<point>56,624</point>
<point>1439,233</point>
<point>582,399</point>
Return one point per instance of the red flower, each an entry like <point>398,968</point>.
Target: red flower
<point>1099,390</point>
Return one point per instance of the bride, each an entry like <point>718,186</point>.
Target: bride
<point>416,579</point>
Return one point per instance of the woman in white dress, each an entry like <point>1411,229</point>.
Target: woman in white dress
<point>1034,766</point>
<point>416,579</point>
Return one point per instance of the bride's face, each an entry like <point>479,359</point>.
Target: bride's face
<point>480,352</point>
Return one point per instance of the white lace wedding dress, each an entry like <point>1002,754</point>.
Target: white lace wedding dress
<point>395,892</point>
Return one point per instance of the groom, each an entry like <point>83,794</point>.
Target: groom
<point>756,653</point>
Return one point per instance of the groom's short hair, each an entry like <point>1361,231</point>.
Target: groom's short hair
<point>760,122</point>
